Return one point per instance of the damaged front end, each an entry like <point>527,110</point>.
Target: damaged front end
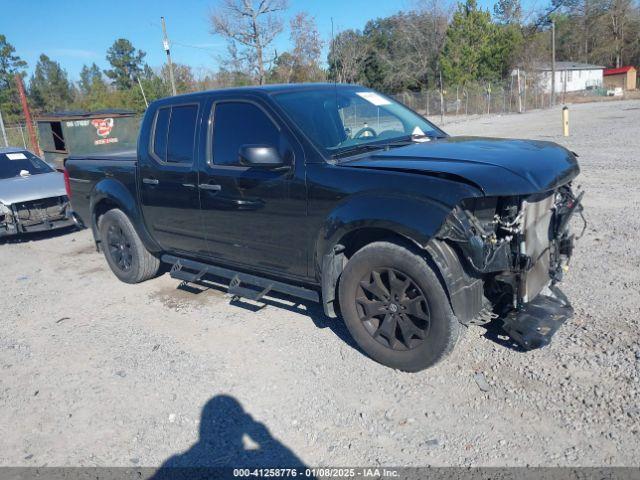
<point>35,216</point>
<point>517,246</point>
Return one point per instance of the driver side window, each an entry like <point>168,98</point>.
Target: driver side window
<point>241,123</point>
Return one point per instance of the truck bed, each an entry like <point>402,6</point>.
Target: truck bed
<point>87,171</point>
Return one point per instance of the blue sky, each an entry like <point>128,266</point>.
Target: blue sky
<point>77,32</point>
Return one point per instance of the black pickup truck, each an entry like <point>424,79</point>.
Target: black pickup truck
<point>341,195</point>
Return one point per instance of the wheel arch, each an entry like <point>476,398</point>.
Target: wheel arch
<point>109,194</point>
<point>368,218</point>
<point>414,230</point>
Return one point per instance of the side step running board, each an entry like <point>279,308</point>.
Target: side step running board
<point>180,267</point>
<point>237,290</point>
<point>178,272</point>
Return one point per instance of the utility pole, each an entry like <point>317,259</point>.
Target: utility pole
<point>553,62</point>
<point>27,115</point>
<point>165,42</point>
<point>4,132</point>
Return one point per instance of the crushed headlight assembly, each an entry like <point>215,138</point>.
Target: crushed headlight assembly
<point>483,236</point>
<point>4,213</point>
<point>7,222</point>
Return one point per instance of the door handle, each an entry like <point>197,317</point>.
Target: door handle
<point>210,186</point>
<point>150,181</point>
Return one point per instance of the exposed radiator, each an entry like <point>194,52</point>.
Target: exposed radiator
<point>537,224</point>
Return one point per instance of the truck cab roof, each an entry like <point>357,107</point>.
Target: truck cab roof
<point>259,90</point>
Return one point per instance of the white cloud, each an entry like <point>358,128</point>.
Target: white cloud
<point>73,53</point>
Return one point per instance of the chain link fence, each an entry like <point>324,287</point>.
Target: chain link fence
<point>514,95</point>
<point>482,98</point>
<point>16,136</point>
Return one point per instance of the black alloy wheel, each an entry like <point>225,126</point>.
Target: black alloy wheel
<point>393,309</point>
<point>396,308</point>
<point>119,247</point>
<point>125,253</point>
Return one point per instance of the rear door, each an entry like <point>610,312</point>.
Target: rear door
<point>253,216</point>
<point>168,179</point>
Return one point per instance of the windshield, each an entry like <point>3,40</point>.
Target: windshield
<point>350,119</point>
<point>11,164</point>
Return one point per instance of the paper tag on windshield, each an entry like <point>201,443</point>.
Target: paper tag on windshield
<point>16,156</point>
<point>373,97</point>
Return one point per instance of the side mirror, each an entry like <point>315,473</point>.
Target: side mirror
<point>259,156</point>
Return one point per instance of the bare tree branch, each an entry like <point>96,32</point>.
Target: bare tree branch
<point>249,26</point>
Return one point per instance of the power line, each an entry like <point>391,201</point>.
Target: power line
<point>199,47</point>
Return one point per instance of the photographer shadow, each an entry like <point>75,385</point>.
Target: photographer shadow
<point>229,439</point>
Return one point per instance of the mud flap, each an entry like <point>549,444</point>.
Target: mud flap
<point>534,325</point>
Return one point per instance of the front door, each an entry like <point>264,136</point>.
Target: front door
<point>168,181</point>
<point>253,216</point>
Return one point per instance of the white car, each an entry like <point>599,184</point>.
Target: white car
<point>33,196</point>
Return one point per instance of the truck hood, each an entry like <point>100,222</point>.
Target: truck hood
<point>496,166</point>
<point>33,187</point>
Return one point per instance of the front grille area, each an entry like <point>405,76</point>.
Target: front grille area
<point>39,211</point>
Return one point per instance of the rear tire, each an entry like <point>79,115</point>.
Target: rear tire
<point>128,258</point>
<point>396,308</point>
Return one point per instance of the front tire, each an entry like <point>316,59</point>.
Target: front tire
<point>396,308</point>
<point>128,258</point>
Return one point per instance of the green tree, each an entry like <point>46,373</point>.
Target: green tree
<point>155,86</point>
<point>282,70</point>
<point>90,78</point>
<point>49,87</point>
<point>126,62</point>
<point>93,91</point>
<point>379,37</point>
<point>475,48</point>
<point>10,64</point>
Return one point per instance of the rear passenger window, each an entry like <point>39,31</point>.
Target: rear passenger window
<point>182,129</point>
<point>173,137</point>
<point>160,133</point>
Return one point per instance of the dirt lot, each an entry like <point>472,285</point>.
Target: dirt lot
<point>96,372</point>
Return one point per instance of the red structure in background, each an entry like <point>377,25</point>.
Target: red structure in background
<point>27,115</point>
<point>616,71</point>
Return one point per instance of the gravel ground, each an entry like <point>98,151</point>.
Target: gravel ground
<point>97,372</point>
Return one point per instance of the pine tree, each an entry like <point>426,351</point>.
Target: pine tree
<point>90,79</point>
<point>49,87</point>
<point>127,63</point>
<point>475,48</point>
<point>10,64</point>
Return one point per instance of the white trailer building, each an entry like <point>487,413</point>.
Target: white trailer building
<point>570,76</point>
